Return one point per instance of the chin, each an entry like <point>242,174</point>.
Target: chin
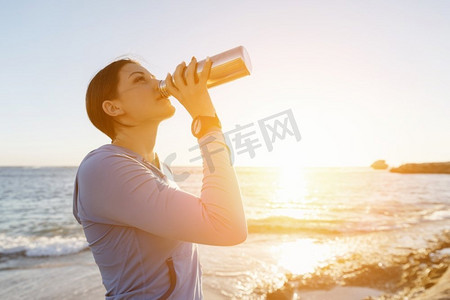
<point>170,112</point>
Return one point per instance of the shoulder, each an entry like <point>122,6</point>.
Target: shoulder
<point>106,161</point>
<point>96,157</point>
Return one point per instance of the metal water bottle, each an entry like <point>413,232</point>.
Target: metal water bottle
<point>226,66</point>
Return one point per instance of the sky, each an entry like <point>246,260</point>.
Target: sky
<point>361,80</point>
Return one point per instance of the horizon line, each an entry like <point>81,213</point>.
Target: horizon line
<point>193,166</point>
<point>237,166</point>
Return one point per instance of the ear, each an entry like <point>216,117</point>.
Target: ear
<point>112,108</point>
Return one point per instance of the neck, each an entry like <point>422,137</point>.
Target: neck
<point>140,139</point>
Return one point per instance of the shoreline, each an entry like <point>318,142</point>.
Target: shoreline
<point>76,276</point>
<point>440,290</point>
<point>422,274</point>
<point>419,270</point>
<point>69,277</point>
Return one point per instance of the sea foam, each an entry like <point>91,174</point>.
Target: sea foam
<point>41,246</point>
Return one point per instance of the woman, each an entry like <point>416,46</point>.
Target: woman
<point>142,229</point>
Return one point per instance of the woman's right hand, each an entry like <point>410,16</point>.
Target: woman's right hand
<point>190,89</point>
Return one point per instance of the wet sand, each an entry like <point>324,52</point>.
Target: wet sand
<point>340,293</point>
<point>70,277</point>
<point>439,291</point>
<point>77,277</point>
<point>422,274</point>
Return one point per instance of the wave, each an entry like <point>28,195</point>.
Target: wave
<point>283,224</point>
<point>40,246</point>
<point>438,215</point>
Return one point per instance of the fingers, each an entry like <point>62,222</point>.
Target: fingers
<point>206,71</point>
<point>187,77</point>
<point>171,87</point>
<point>178,75</point>
<point>191,71</point>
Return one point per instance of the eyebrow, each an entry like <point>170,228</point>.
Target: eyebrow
<point>139,72</point>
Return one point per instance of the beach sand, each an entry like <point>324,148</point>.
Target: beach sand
<point>339,293</point>
<point>63,277</point>
<point>77,277</point>
<point>439,291</point>
<point>70,277</point>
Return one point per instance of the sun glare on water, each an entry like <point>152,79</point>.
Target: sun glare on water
<point>292,199</point>
<point>291,193</point>
<point>303,255</point>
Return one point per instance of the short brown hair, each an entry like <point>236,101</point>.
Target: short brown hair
<point>104,87</point>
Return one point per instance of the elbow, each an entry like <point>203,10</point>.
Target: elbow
<point>231,236</point>
<point>239,236</point>
<point>242,237</point>
<point>240,231</point>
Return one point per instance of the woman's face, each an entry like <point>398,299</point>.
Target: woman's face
<point>139,97</point>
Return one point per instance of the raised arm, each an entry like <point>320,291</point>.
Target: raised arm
<point>119,190</point>
<point>116,189</point>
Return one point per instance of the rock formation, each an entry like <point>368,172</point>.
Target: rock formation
<point>379,165</point>
<point>431,168</point>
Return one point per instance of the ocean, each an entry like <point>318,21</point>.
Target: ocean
<point>309,229</point>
